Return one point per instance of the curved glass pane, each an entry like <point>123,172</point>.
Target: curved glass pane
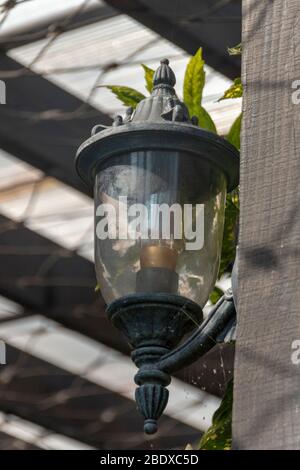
<point>158,225</point>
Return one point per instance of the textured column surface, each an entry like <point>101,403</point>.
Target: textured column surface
<point>266,411</point>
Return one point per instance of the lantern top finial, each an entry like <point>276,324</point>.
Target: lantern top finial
<point>164,75</point>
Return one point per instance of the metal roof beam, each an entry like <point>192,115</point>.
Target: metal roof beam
<point>173,23</point>
<point>64,403</point>
<point>57,24</point>
<point>43,124</point>
<point>65,292</point>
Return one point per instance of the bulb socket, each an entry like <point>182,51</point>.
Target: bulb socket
<point>158,257</point>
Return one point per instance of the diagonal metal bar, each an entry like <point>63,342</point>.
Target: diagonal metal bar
<point>59,293</point>
<point>44,29</point>
<point>65,292</point>
<point>95,415</point>
<point>168,21</point>
<point>43,125</point>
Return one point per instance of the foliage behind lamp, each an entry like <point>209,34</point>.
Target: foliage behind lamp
<point>154,279</point>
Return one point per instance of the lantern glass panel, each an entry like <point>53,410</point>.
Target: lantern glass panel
<point>159,218</point>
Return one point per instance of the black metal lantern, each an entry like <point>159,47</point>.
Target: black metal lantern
<point>160,185</point>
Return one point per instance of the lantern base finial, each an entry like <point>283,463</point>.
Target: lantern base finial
<point>151,396</point>
<point>151,400</point>
<point>154,324</point>
<point>150,426</point>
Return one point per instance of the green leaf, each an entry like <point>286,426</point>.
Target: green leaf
<point>231,209</point>
<point>204,119</point>
<point>128,96</point>
<point>234,135</point>
<point>236,50</point>
<point>229,236</point>
<point>194,80</point>
<point>218,436</point>
<point>216,295</point>
<point>235,91</point>
<point>149,73</point>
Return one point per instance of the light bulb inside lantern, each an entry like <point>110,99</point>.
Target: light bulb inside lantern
<point>158,269</point>
<point>158,256</point>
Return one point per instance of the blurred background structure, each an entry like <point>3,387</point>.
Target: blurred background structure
<point>68,378</point>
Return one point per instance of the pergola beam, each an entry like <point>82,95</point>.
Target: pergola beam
<point>19,434</point>
<point>9,442</point>
<point>43,124</point>
<point>60,23</point>
<point>172,22</point>
<point>65,292</point>
<point>67,404</point>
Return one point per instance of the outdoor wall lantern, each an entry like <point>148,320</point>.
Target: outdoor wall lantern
<point>160,186</point>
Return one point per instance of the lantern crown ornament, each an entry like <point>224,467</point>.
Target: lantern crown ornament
<point>179,131</point>
<point>160,186</point>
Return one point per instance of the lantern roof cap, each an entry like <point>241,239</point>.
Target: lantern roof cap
<point>163,104</point>
<point>160,122</point>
